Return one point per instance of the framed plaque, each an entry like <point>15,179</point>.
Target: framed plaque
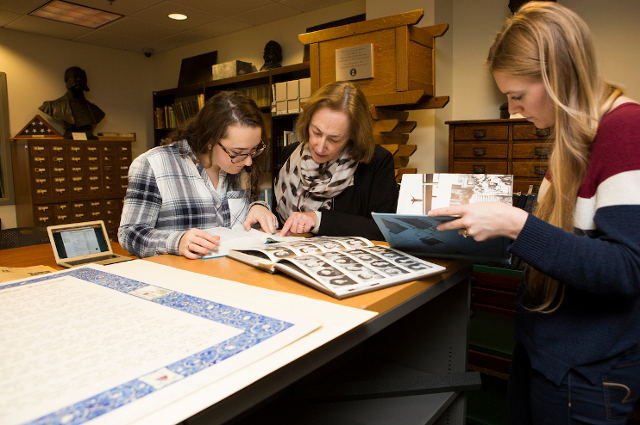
<point>354,63</point>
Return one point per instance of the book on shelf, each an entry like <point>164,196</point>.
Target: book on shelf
<point>288,137</point>
<point>170,116</point>
<point>265,196</point>
<point>411,230</point>
<point>260,94</point>
<point>340,266</point>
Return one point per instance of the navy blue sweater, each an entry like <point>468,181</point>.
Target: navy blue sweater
<point>599,263</point>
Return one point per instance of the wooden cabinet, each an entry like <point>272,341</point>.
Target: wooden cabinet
<point>256,85</point>
<point>61,181</point>
<point>506,146</point>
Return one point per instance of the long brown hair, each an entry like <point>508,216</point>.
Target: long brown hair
<point>347,97</point>
<point>211,124</point>
<point>549,42</point>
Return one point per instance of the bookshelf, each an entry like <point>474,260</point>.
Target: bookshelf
<point>257,85</point>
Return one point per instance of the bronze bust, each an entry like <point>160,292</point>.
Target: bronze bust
<point>272,56</point>
<point>77,113</point>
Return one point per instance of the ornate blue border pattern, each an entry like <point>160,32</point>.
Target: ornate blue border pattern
<point>255,328</point>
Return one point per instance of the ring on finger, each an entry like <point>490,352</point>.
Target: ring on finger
<point>465,234</point>
<point>189,246</point>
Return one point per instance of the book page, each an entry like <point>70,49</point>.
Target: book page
<point>241,239</point>
<point>420,193</point>
<point>278,251</point>
<point>368,266</point>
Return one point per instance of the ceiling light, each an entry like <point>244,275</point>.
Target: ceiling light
<point>178,16</point>
<point>71,13</point>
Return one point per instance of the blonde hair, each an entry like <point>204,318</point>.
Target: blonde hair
<point>551,43</point>
<point>347,97</point>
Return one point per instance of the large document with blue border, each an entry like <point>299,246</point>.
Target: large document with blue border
<point>109,345</point>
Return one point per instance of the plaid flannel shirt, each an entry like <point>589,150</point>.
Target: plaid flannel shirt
<point>169,193</point>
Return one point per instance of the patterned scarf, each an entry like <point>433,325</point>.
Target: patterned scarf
<point>304,185</point>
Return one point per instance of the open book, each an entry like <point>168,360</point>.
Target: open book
<point>411,230</point>
<point>338,266</point>
<point>236,239</point>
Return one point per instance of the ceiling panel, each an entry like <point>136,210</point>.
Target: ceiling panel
<point>265,14</point>
<point>40,26</point>
<point>8,17</point>
<point>226,8</point>
<point>139,29</point>
<point>221,27</point>
<point>115,41</point>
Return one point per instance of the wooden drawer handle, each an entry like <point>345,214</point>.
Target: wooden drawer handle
<point>479,151</point>
<point>478,169</point>
<point>479,134</point>
<point>542,152</point>
<point>543,132</point>
<point>540,171</point>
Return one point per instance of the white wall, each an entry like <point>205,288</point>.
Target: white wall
<point>613,24</point>
<point>119,84</point>
<point>616,34</point>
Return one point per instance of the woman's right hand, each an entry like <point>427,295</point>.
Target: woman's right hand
<point>299,222</point>
<point>196,243</point>
<point>482,221</point>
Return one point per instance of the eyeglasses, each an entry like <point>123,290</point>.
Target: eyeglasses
<point>236,159</point>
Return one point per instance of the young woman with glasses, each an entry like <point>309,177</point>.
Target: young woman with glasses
<point>207,177</point>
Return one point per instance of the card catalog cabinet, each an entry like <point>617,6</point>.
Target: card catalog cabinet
<point>506,146</point>
<point>60,181</point>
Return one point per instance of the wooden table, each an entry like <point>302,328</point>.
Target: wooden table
<point>422,327</point>
<point>39,255</point>
<point>421,330</point>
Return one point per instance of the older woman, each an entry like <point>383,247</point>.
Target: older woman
<point>337,175</point>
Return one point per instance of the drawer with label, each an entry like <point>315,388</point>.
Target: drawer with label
<point>480,167</point>
<point>484,132</point>
<point>530,168</point>
<point>528,132</point>
<point>480,150</point>
<point>531,150</point>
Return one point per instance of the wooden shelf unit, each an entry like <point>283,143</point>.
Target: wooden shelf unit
<point>276,124</point>
<point>60,181</point>
<point>505,146</point>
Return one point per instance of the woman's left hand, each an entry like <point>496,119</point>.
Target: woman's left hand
<point>483,221</point>
<point>299,222</point>
<point>259,214</point>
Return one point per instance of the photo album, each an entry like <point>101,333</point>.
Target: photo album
<point>411,230</point>
<point>340,266</point>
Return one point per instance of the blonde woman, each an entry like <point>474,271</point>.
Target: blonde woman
<point>337,176</point>
<point>577,356</point>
